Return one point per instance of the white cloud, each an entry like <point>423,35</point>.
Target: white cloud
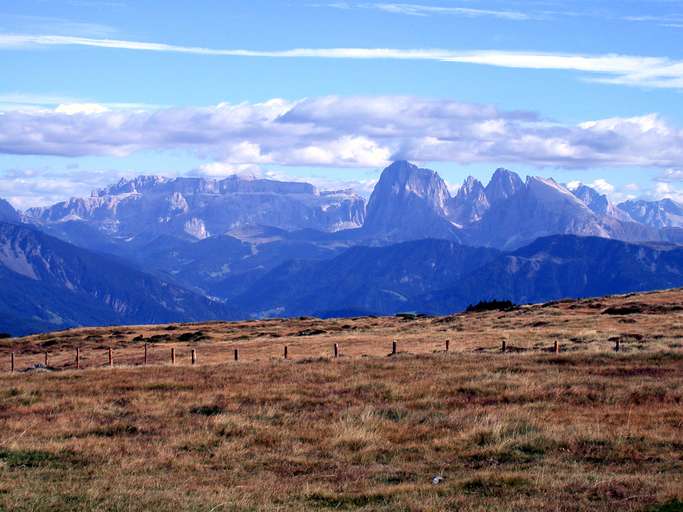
<point>25,188</point>
<point>80,108</point>
<point>222,169</point>
<point>344,131</point>
<point>633,70</point>
<point>603,186</point>
<point>670,175</point>
<point>574,184</point>
<point>666,191</point>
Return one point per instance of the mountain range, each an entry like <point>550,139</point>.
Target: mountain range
<point>155,249</point>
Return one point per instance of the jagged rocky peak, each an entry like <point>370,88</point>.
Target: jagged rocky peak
<point>599,203</point>
<point>470,202</point>
<point>200,207</point>
<point>138,184</point>
<point>547,190</point>
<point>402,179</point>
<point>471,187</point>
<point>408,203</point>
<point>7,212</point>
<point>503,184</point>
<point>233,184</point>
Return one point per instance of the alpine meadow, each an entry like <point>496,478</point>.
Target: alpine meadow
<point>306,256</point>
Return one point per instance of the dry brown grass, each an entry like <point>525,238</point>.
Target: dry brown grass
<point>589,429</point>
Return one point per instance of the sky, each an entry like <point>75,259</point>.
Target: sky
<point>331,92</point>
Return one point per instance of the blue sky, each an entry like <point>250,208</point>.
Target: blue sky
<point>330,91</point>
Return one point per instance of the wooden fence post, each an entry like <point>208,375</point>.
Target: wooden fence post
<point>11,368</point>
<point>617,345</point>
<point>237,354</point>
<point>111,358</point>
<point>557,347</point>
<point>503,346</point>
<point>448,345</point>
<point>394,348</point>
<point>46,359</point>
<point>145,361</point>
<point>336,350</point>
<point>78,358</point>
<point>173,355</point>
<point>194,356</point>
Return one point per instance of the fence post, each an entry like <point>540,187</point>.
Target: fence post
<point>194,356</point>
<point>11,369</point>
<point>557,347</point>
<point>173,355</point>
<point>145,361</point>
<point>448,345</point>
<point>617,345</point>
<point>45,359</point>
<point>111,358</point>
<point>336,350</point>
<point>394,348</point>
<point>237,354</point>
<point>78,358</point>
<point>503,346</point>
<point>286,352</point>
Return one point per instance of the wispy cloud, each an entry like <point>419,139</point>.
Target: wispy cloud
<point>22,101</point>
<point>632,70</point>
<point>545,11</point>
<point>670,21</point>
<point>54,25</point>
<point>426,10</point>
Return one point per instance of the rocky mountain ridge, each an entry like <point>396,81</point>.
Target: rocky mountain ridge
<point>189,248</point>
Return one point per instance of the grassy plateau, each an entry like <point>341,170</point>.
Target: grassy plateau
<point>469,429</point>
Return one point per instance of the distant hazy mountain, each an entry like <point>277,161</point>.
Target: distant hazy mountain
<point>408,203</point>
<point>437,276</point>
<point>48,284</point>
<point>196,208</point>
<point>265,247</point>
<point>560,267</point>
<point>7,212</point>
<point>541,207</point>
<point>225,266</point>
<point>370,279</point>
<point>665,213</point>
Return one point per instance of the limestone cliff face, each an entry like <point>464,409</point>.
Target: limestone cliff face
<point>198,207</point>
<point>409,203</point>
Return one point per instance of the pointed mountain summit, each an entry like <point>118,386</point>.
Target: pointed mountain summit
<point>543,207</point>
<point>408,203</point>
<point>470,203</point>
<point>599,203</point>
<point>503,184</point>
<point>7,212</point>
